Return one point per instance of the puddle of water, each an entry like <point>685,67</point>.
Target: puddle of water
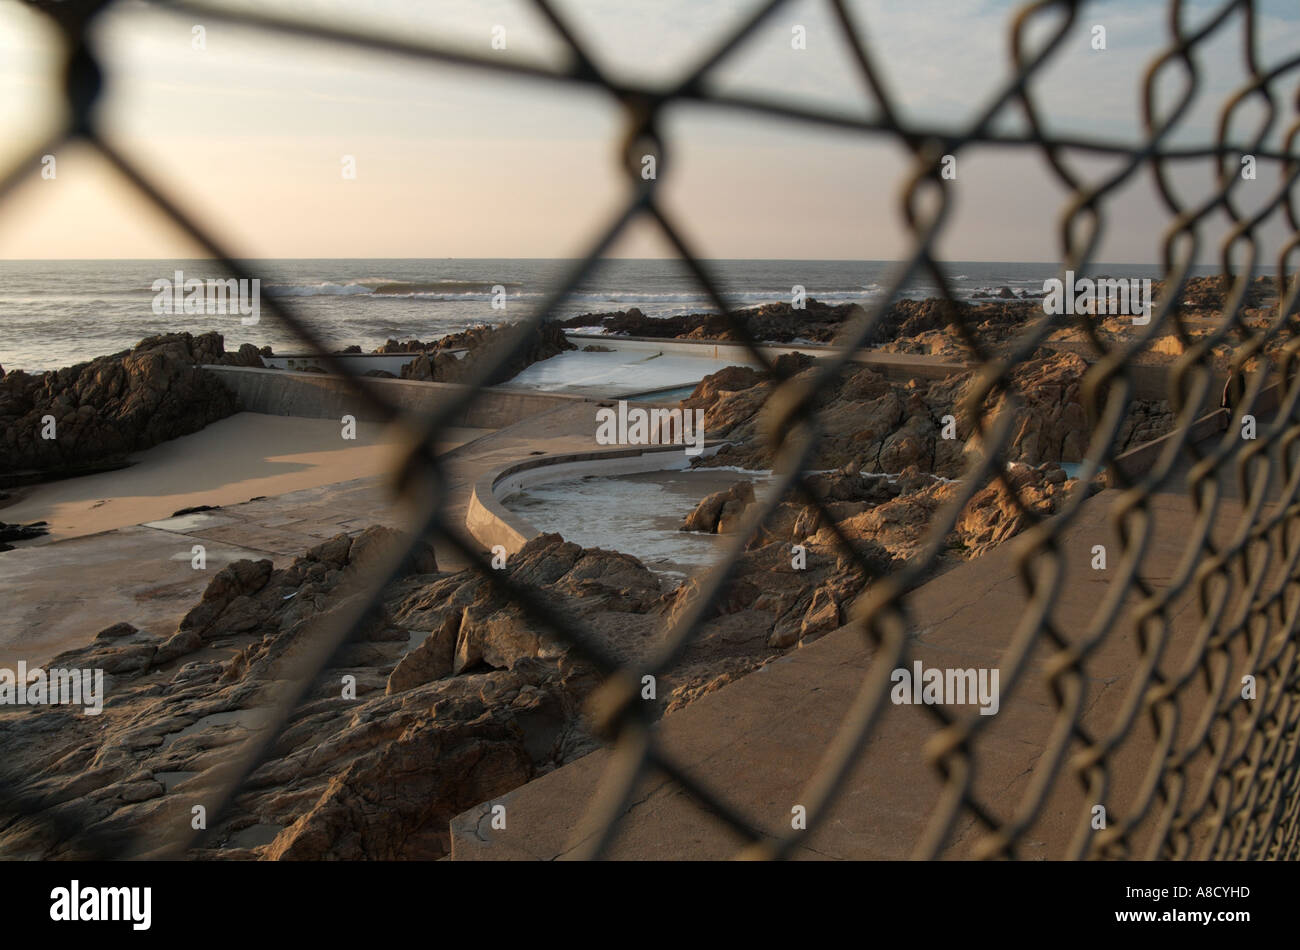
<point>185,523</point>
<point>670,395</point>
<point>1071,469</point>
<point>624,370</point>
<point>254,836</point>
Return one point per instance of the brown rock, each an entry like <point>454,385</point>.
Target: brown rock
<point>114,405</point>
<point>116,631</point>
<point>722,511</point>
<point>432,659</point>
<point>437,364</point>
<point>823,615</point>
<point>397,802</point>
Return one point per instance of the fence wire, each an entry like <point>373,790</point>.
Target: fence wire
<point>1246,589</point>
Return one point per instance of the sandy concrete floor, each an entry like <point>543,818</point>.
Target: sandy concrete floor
<point>228,462</point>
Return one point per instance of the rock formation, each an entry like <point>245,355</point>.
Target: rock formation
<point>884,427</point>
<point>100,411</point>
<point>20,532</point>
<point>928,326</point>
<point>721,512</point>
<point>437,361</point>
<point>483,702</point>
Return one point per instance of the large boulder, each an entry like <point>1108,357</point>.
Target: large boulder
<point>722,511</point>
<point>438,364</point>
<point>94,414</point>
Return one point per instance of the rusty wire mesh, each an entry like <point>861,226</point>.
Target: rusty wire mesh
<point>1246,590</point>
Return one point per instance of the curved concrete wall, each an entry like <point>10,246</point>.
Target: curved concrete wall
<point>896,366</point>
<point>492,523</point>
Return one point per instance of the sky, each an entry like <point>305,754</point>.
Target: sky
<point>251,131</point>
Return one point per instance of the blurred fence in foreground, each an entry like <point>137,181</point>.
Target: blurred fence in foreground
<point>1243,750</point>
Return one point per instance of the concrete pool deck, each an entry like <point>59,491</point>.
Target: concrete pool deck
<point>228,462</point>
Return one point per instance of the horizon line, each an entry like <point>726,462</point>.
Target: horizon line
<point>748,260</point>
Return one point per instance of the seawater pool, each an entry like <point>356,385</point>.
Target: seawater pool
<point>671,395</point>
<point>634,514</point>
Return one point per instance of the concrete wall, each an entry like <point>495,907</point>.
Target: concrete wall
<point>491,523</point>
<point>317,396</point>
<point>1138,461</point>
<point>1153,382</point>
<point>357,362</point>
<point>896,366</point>
<point>702,348</point>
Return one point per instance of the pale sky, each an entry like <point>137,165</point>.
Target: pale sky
<point>250,132</point>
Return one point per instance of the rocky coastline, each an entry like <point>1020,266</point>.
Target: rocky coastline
<point>456,697</point>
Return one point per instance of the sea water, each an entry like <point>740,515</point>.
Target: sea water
<point>56,313</point>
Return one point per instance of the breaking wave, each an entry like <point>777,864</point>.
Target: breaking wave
<point>383,287</point>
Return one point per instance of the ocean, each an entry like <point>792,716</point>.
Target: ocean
<point>57,313</point>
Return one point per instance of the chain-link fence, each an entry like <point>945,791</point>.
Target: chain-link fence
<point>1244,588</point>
